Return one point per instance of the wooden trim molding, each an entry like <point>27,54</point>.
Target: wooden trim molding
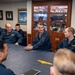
<point>25,32</point>
<point>29,39</point>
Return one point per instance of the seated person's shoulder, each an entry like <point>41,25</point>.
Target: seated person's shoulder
<point>3,31</point>
<point>21,30</point>
<point>74,37</point>
<point>13,31</point>
<point>5,71</point>
<point>65,40</point>
<point>9,72</point>
<point>46,33</point>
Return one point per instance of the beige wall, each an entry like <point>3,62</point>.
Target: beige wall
<point>12,7</point>
<point>73,14</point>
<point>29,16</point>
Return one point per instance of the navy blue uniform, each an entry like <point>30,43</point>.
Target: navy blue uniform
<point>12,37</point>
<point>24,41</point>
<point>42,43</point>
<point>21,32</point>
<point>1,30</point>
<point>5,71</point>
<point>64,44</point>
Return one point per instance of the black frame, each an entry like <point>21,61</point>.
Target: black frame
<point>1,14</point>
<point>9,15</point>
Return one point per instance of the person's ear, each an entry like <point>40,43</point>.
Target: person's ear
<point>51,70</point>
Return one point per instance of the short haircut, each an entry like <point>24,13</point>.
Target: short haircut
<point>71,29</point>
<point>17,24</point>
<point>2,45</point>
<point>7,24</point>
<point>64,61</point>
<point>40,23</point>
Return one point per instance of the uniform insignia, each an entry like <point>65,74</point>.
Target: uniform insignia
<point>73,45</point>
<point>12,34</point>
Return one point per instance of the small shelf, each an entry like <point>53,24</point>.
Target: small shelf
<point>40,12</point>
<point>57,13</point>
<point>40,21</point>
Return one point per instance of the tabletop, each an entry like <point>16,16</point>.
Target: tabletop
<point>20,60</point>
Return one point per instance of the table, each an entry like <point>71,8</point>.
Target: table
<point>21,61</point>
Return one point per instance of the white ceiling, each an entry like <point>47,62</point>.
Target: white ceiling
<point>4,1</point>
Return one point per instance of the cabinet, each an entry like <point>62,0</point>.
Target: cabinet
<point>58,22</point>
<point>56,16</point>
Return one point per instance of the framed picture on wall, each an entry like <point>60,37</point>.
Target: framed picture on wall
<point>22,16</point>
<point>9,15</point>
<point>1,14</point>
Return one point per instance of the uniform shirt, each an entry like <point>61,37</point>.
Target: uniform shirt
<point>42,43</point>
<point>21,32</point>
<point>1,30</point>
<point>24,41</point>
<point>64,44</point>
<point>12,37</point>
<point>5,71</point>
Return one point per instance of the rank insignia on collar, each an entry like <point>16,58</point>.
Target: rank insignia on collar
<point>73,45</point>
<point>12,34</point>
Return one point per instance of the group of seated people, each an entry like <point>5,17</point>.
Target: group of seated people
<point>11,36</point>
<point>63,62</point>
<point>41,40</point>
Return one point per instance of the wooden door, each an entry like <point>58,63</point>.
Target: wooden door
<point>60,18</point>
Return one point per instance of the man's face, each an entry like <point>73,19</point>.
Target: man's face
<point>17,28</point>
<point>8,28</point>
<point>40,28</point>
<point>66,33</point>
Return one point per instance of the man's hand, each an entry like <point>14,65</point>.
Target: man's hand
<point>16,43</point>
<point>29,47</point>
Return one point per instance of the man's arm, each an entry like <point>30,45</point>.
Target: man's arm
<point>9,72</point>
<point>43,40</point>
<point>22,33</point>
<point>35,39</point>
<point>2,36</point>
<point>20,38</point>
<point>60,45</point>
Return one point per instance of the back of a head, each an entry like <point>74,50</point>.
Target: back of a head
<point>71,29</point>
<point>64,62</point>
